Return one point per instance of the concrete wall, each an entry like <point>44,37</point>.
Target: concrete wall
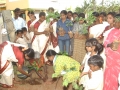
<point>12,4</point>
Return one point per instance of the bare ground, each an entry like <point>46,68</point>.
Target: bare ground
<point>39,84</point>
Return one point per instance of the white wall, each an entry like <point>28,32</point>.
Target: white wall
<point>42,4</point>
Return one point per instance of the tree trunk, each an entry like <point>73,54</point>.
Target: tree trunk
<point>9,24</point>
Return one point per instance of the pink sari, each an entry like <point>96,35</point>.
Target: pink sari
<point>112,62</point>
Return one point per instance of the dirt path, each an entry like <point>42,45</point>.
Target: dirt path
<point>42,86</point>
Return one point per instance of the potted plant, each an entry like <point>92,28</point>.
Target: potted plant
<point>50,17</point>
<point>69,24</point>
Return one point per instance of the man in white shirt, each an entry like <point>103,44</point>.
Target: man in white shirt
<point>18,21</point>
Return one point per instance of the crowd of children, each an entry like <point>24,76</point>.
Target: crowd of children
<point>93,50</point>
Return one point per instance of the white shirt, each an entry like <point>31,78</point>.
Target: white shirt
<point>96,81</point>
<point>21,41</point>
<point>19,23</point>
<point>85,62</point>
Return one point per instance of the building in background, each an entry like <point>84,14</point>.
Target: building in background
<point>2,5</point>
<point>36,5</point>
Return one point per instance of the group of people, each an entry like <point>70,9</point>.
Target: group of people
<point>93,52</point>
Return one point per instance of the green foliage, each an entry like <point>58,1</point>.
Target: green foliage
<point>83,8</point>
<point>84,29</point>
<point>53,15</point>
<point>65,82</point>
<point>75,86</point>
<point>78,10</point>
<point>34,66</point>
<point>63,53</point>
<point>69,23</point>
<point>105,6</point>
<point>69,9</point>
<point>55,75</point>
<point>90,18</point>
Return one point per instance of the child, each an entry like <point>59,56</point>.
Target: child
<point>26,36</point>
<point>93,47</point>
<point>19,38</point>
<point>95,81</point>
<point>64,66</point>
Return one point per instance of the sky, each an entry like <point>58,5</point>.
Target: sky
<point>61,4</point>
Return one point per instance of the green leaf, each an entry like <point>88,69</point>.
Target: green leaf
<point>69,23</point>
<point>75,86</point>
<point>63,53</point>
<point>54,75</point>
<point>52,15</point>
<point>81,87</point>
<point>65,83</point>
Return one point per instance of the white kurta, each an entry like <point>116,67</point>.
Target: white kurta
<point>85,78</point>
<point>8,74</point>
<point>96,81</point>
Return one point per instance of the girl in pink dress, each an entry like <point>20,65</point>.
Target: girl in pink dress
<point>112,69</point>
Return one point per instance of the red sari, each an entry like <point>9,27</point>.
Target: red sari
<point>112,62</point>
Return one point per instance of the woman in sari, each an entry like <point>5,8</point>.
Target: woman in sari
<point>12,52</point>
<point>31,23</point>
<point>112,51</point>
